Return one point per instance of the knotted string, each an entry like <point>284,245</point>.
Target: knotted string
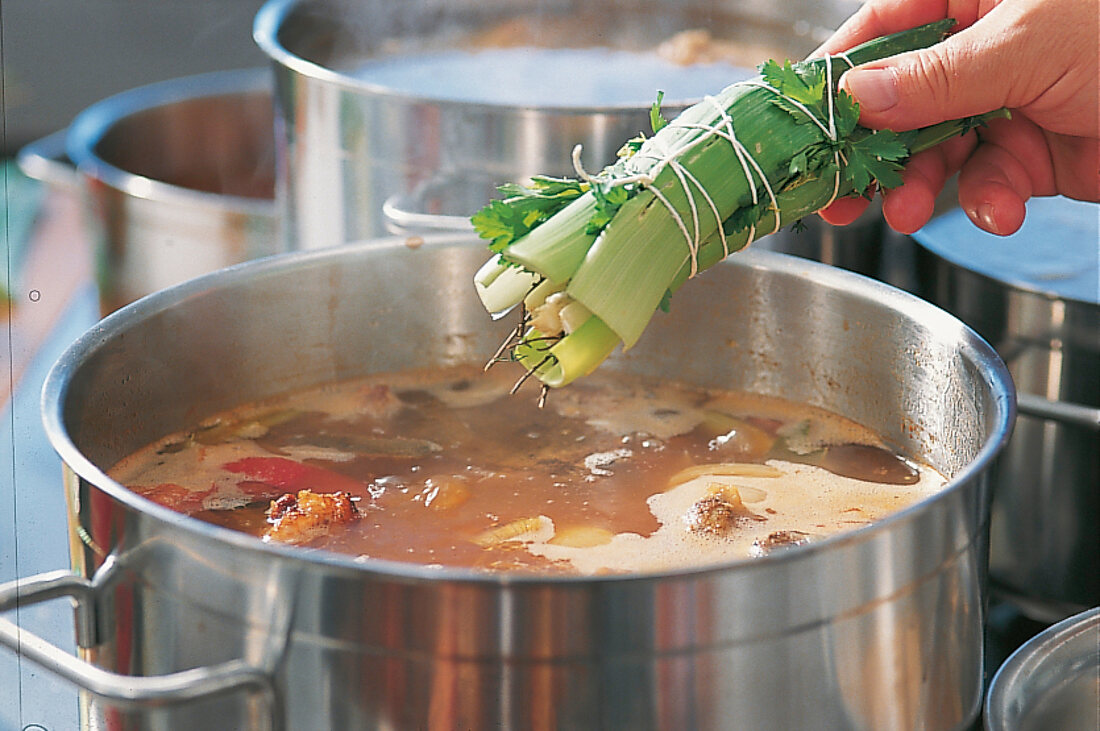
<point>723,128</point>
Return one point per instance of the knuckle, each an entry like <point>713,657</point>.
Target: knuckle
<point>934,76</point>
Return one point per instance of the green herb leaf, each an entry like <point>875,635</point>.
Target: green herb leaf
<point>523,208</point>
<point>846,112</point>
<point>798,114</point>
<point>498,223</point>
<point>805,84</point>
<point>657,120</point>
<point>885,144</point>
<point>608,202</point>
<point>875,157</point>
<point>747,216</point>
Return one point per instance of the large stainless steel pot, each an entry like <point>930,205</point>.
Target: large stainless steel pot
<point>1036,297</point>
<point>359,159</point>
<point>178,177</point>
<point>879,628</point>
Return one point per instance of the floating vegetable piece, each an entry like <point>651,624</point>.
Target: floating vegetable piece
<point>444,492</point>
<point>736,469</point>
<point>251,428</point>
<point>581,536</point>
<point>758,155</point>
<point>524,527</point>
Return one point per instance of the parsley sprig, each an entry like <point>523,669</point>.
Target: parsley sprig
<point>523,208</point>
<point>868,157</point>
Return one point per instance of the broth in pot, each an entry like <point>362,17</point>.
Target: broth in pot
<point>616,474</point>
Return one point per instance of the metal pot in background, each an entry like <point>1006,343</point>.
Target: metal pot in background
<point>1036,297</point>
<point>359,159</point>
<point>178,178</point>
<point>878,628</point>
<point>1051,682</point>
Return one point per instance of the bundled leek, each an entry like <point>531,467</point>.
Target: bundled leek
<point>590,260</point>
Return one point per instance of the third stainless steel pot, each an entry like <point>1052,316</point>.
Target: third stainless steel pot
<point>1051,682</point>
<point>1036,297</point>
<point>878,628</point>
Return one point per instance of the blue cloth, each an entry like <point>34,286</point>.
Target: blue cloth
<point>1056,251</point>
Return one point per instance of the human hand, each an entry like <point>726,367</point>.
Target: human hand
<point>1039,58</point>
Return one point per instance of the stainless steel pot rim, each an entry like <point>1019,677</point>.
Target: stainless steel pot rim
<point>89,127</point>
<point>273,13</point>
<point>45,159</point>
<point>1056,642</point>
<point>56,384</point>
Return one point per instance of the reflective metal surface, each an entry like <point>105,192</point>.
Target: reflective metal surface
<point>358,160</point>
<point>179,178</point>
<point>879,628</point>
<point>1045,550</point>
<point>1051,682</point>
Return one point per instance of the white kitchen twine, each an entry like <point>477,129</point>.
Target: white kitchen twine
<point>722,128</point>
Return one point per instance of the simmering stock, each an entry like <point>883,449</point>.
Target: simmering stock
<point>444,468</point>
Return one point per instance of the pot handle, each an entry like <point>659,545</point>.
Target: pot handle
<point>406,212</point>
<point>402,217</point>
<point>1064,412</point>
<point>181,686</point>
<point>45,159</point>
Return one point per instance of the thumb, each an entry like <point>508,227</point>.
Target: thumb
<point>949,80</point>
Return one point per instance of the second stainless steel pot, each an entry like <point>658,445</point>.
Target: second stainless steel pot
<point>178,177</point>
<point>878,628</point>
<point>360,159</point>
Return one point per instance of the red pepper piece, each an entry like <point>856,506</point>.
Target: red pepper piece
<point>291,476</point>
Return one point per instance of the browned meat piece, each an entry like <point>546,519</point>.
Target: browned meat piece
<point>777,540</point>
<point>301,517</point>
<point>719,513</point>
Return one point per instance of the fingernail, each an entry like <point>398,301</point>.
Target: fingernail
<point>876,90</point>
<point>982,216</point>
